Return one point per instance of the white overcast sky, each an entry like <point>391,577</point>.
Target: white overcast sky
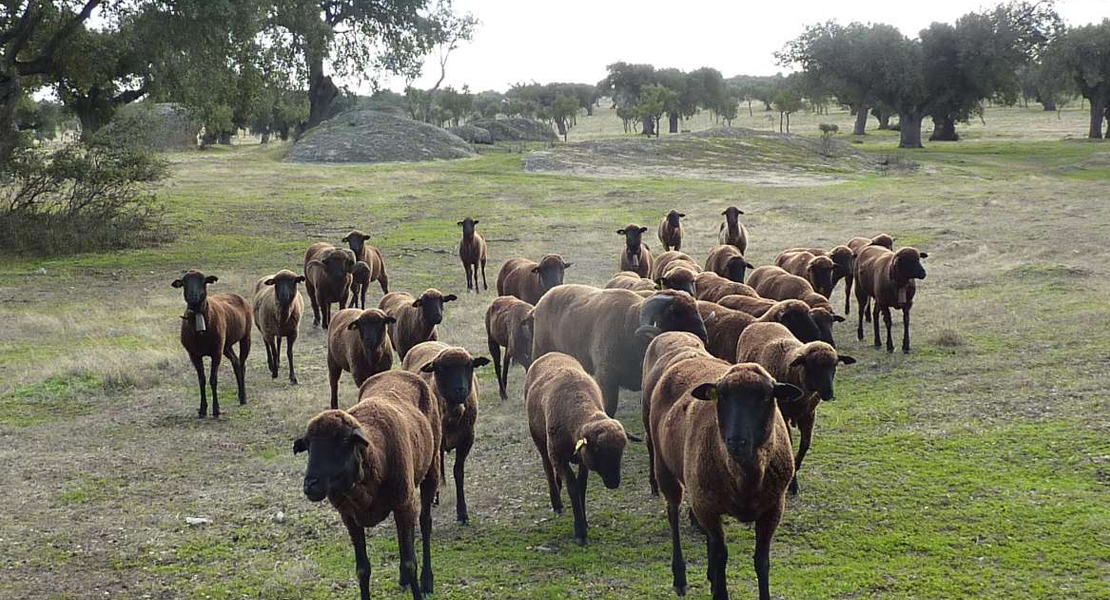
<point>573,40</point>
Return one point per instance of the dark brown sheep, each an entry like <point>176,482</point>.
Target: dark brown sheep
<point>721,442</point>
<point>855,245</point>
<point>278,308</point>
<point>712,287</point>
<point>732,232</point>
<point>816,269</point>
<point>569,426</point>
<point>636,256</point>
<point>888,277</point>
<point>472,253</point>
<point>755,306</point>
<point>529,280</point>
<point>369,461</point>
<point>725,325</point>
<point>670,230</point>
<point>359,343</point>
<point>449,371</point>
<point>680,276</point>
<point>360,283</point>
<point>608,330</point>
<point>416,318</point>
<point>211,326</point>
<point>327,272</point>
<point>777,284</point>
<point>727,261</point>
<point>627,280</point>
<point>509,324</point>
<point>811,367</point>
<point>369,255</point>
<point>664,261</point>
<point>843,263</point>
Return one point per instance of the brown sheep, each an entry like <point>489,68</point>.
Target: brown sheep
<point>627,280</point>
<point>664,261</point>
<point>608,330</point>
<point>211,326</point>
<point>679,276</point>
<point>732,232</point>
<point>636,256</point>
<point>753,305</point>
<point>529,280</point>
<point>888,277</point>
<point>809,366</point>
<point>449,371</point>
<point>725,325</point>
<point>670,230</point>
<point>278,308</point>
<point>360,283</point>
<point>721,442</point>
<point>369,462</point>
<point>712,287</point>
<point>358,343</point>
<point>777,284</point>
<point>727,261</point>
<point>569,425</point>
<point>816,269</point>
<point>472,253</point>
<point>327,272</point>
<point>857,244</point>
<point>369,255</point>
<point>509,324</point>
<point>416,318</point>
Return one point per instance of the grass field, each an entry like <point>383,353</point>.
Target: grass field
<point>976,467</point>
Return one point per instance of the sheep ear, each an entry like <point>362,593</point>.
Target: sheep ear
<point>680,215</point>
<point>269,281</point>
<point>786,392</point>
<point>358,437</point>
<point>838,319</point>
<point>416,303</point>
<point>749,265</point>
<point>476,221</point>
<point>848,360</point>
<point>633,438</point>
<point>458,223</point>
<point>797,362</point>
<point>178,283</point>
<point>365,237</point>
<point>300,445</point>
<point>428,367</point>
<point>536,269</point>
<point>211,279</point>
<point>620,232</point>
<point>739,211</point>
<point>579,445</point>
<point>724,212</point>
<point>567,265</point>
<point>450,298</point>
<point>300,278</point>
<point>389,320</point>
<point>923,254</point>
<point>352,326</point>
<point>481,361</point>
<point>706,391</point>
<point>643,229</point>
<point>660,283</point>
<point>346,239</point>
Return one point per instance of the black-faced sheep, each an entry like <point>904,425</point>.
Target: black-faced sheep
<point>370,461</point>
<point>509,324</point>
<point>777,284</point>
<point>472,253</point>
<point>449,372</point>
<point>327,272</point>
<point>809,366</point>
<point>529,280</point>
<point>608,330</point>
<point>728,262</point>
<point>816,269</point>
<point>369,255</point>
<point>732,232</point>
<point>211,326</point>
<point>360,283</point>
<point>712,287</point>
<point>278,308</point>
<point>888,277</point>
<point>721,443</point>
<point>416,318</point>
<point>670,230</point>
<point>569,426</point>
<point>635,256</point>
<point>725,325</point>
<point>358,343</point>
<point>855,245</point>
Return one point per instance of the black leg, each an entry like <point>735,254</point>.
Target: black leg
<point>875,323</point>
<point>905,330</point>
<point>213,379</point>
<point>718,560</point>
<point>576,504</point>
<point>678,564</point>
<point>269,357</point>
<point>764,531</point>
<point>484,284</point>
<point>427,491</point>
<point>334,371</point>
<point>554,486</point>
<point>237,369</point>
<point>289,353</point>
<point>847,294</point>
<point>495,354</point>
<point>461,452</point>
<point>805,426</point>
<point>198,364</point>
<point>887,321</point>
<point>651,463</point>
<point>362,563</point>
<point>407,543</point>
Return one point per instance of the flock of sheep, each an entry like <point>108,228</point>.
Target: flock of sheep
<point>724,367</point>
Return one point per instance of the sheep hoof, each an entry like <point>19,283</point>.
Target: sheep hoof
<point>273,375</point>
<point>200,414</point>
<point>462,520</point>
<point>905,349</point>
<point>292,381</point>
<point>581,540</point>
<point>680,590</point>
<point>558,510</point>
<point>793,489</point>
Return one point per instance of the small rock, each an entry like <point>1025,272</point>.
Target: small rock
<point>40,271</point>
<point>280,517</point>
<point>197,520</point>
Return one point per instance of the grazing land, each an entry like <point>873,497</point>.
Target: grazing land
<point>976,467</point>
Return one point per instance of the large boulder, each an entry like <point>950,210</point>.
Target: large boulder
<point>365,136</point>
<point>472,134</point>
<point>517,129</point>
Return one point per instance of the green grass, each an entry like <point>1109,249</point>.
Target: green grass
<point>975,467</point>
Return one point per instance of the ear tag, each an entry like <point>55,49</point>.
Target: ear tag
<point>581,444</point>
<point>713,395</point>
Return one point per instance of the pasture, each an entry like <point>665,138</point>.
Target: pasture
<point>978,466</point>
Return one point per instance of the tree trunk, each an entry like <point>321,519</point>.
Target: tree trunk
<point>321,92</point>
<point>787,122</point>
<point>673,122</point>
<point>944,129</point>
<point>1098,115</point>
<point>649,126</point>
<point>9,96</point>
<point>562,125</point>
<point>225,138</point>
<point>883,115</point>
<point>781,114</point>
<point>590,109</point>
<point>265,137</point>
<point>861,120</point>
<point>750,113</point>
<point>909,129</point>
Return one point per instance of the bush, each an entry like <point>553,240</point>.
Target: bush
<point>83,197</point>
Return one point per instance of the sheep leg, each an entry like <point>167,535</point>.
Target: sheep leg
<point>334,371</point>
<point>459,471</point>
<point>442,476</point>
<point>406,542</point>
<point>610,391</point>
<point>861,303</point>
<point>237,367</point>
<point>495,354</point>
<point>878,341</point>
<point>325,311</point>
<point>678,563</point>
<point>198,364</point>
<point>847,294</point>
<point>466,268</point>
<point>362,295</point>
<point>764,530</point>
<point>905,330</point>
<point>887,322</point>
<point>362,563</point>
<point>805,426</point>
<point>717,559</point>
<point>505,368</point>
<point>576,504</point>
<point>384,281</point>
<point>266,342</point>
<point>485,285</point>
<point>427,579</point>
<point>289,353</point>
<point>277,355</point>
<point>651,463</point>
<point>553,486</point>
<point>315,306</point>
<point>213,378</point>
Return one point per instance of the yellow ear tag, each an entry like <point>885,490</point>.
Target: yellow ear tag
<point>713,395</point>
<point>579,445</point>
